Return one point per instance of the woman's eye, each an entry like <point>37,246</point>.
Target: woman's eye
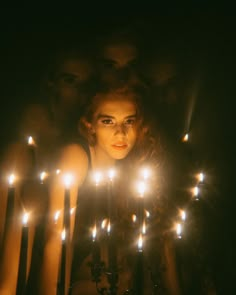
<point>107,122</point>
<point>130,122</point>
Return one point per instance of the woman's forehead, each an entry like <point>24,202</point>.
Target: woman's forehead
<point>116,106</point>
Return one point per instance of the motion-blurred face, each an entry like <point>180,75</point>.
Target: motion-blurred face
<point>68,85</point>
<point>115,126</point>
<point>118,63</point>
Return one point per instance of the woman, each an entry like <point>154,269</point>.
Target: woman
<point>115,130</point>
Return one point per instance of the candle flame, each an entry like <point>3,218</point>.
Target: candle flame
<point>109,227</point>
<point>145,173</point>
<point>140,243</point>
<point>196,192</point>
<point>56,216</point>
<point>147,213</point>
<point>72,210</point>
<point>185,137</point>
<point>25,219</point>
<point>11,179</point>
<point>67,180</point>
<point>43,175</point>
<point>144,228</point>
<point>63,235</point>
<point>183,215</point>
<point>141,187</point>
<point>94,232</point>
<point>104,223</point>
<point>111,174</point>
<point>201,177</point>
<point>134,218</point>
<point>178,230</point>
<point>97,177</point>
<point>31,141</point>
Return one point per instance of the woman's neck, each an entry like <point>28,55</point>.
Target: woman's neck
<point>100,160</point>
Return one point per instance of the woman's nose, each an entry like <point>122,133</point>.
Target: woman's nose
<point>120,128</point>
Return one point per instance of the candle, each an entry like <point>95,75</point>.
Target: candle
<point>22,270</point>
<point>196,193</point>
<point>32,145</point>
<point>62,271</point>
<point>185,137</point>
<point>179,230</point>
<point>10,202</point>
<point>138,271</point>
<point>97,178</point>
<point>95,247</point>
<point>66,217</point>
<point>111,174</point>
<point>141,190</point>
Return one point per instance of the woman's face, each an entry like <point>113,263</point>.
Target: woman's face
<point>72,74</point>
<point>115,126</point>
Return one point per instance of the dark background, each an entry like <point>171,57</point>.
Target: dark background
<point>202,36</point>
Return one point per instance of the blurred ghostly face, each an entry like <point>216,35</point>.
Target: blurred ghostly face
<point>68,84</point>
<point>115,126</point>
<point>118,62</point>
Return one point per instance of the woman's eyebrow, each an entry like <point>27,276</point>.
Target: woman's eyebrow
<point>100,116</point>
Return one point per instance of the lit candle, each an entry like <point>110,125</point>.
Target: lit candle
<point>200,177</point>
<point>22,270</point>
<point>179,230</point>
<point>97,178</point>
<point>141,190</point>
<point>62,272</point>
<point>185,137</point>
<point>95,247</point>
<point>32,145</point>
<point>138,273</point>
<point>10,201</point>
<point>111,174</point>
<point>43,176</point>
<point>196,193</point>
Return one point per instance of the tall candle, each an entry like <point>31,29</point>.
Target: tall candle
<point>66,217</point>
<point>32,145</point>
<point>138,270</point>
<point>22,270</point>
<point>10,202</point>
<point>62,271</point>
<point>141,191</point>
<point>111,174</point>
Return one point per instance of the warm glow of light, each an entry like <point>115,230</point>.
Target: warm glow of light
<point>140,242</point>
<point>178,230</point>
<point>183,215</point>
<point>186,137</point>
<point>43,175</point>
<point>134,218</point>
<point>109,227</point>
<point>72,210</point>
<point>58,171</point>
<point>97,177</point>
<point>31,141</point>
<point>145,172</point>
<point>111,174</point>
<point>56,216</point>
<point>196,192</point>
<point>67,180</point>
<point>104,223</point>
<point>11,179</point>
<point>94,232</point>
<point>144,228</point>
<point>141,188</point>
<point>63,235</point>
<point>201,177</point>
<point>25,219</point>
<point>147,213</point>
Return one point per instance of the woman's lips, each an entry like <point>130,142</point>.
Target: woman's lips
<point>119,146</point>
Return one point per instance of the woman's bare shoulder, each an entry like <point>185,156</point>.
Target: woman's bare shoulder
<point>73,158</point>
